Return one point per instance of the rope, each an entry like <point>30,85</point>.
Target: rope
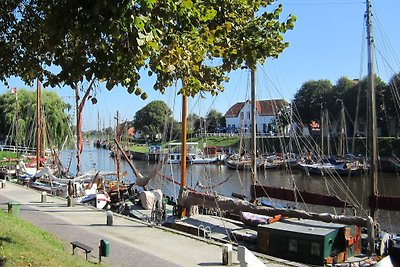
<point>199,184</point>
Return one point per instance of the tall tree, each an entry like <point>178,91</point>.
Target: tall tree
<point>310,98</point>
<point>332,98</point>
<point>54,112</point>
<point>214,120</point>
<point>72,42</point>
<point>391,96</point>
<point>111,41</point>
<point>152,118</point>
<point>200,125</point>
<point>193,122</point>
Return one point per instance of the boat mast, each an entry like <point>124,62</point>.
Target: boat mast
<point>342,135</point>
<point>117,155</point>
<point>38,125</point>
<point>183,148</point>
<point>78,122</point>
<point>322,129</point>
<point>372,132</point>
<point>98,127</point>
<point>16,124</point>
<point>328,135</point>
<point>253,128</point>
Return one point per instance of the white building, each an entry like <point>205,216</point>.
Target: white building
<point>239,115</point>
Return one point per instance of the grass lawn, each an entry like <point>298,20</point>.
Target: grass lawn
<point>217,141</point>
<point>7,154</point>
<point>22,244</point>
<point>138,148</point>
<point>210,141</point>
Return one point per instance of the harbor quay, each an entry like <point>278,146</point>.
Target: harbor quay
<point>131,242</point>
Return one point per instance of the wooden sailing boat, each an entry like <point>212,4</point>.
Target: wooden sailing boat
<point>41,178</point>
<point>189,198</point>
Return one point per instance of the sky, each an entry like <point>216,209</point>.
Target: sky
<point>327,42</point>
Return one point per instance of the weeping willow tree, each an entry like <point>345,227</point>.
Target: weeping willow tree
<point>56,120</point>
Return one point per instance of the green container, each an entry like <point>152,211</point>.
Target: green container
<point>14,208</point>
<point>104,248</point>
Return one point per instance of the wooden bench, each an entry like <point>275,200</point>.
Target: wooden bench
<point>77,244</point>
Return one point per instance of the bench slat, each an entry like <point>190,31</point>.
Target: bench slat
<point>81,245</point>
<point>77,244</point>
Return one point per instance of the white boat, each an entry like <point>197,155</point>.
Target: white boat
<point>193,156</point>
<point>331,168</point>
<point>52,188</point>
<point>98,200</point>
<point>93,194</point>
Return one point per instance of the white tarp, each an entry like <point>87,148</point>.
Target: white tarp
<point>150,198</point>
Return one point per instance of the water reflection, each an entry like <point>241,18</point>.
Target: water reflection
<point>220,179</point>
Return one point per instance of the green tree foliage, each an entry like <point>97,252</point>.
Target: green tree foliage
<point>284,116</point>
<point>316,94</point>
<point>199,34</point>
<point>359,90</point>
<point>214,120</point>
<point>391,96</point>
<point>310,98</point>
<point>72,42</point>
<point>192,122</point>
<point>199,125</point>
<point>55,119</point>
<point>336,95</point>
<point>152,118</point>
<point>112,41</point>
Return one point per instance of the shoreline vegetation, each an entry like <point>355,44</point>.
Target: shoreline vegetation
<point>23,244</point>
<point>388,146</point>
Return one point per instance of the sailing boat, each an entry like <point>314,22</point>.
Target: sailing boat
<point>347,228</point>
<point>40,176</point>
<point>243,159</point>
<point>325,164</point>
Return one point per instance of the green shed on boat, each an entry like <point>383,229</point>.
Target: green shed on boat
<point>307,241</point>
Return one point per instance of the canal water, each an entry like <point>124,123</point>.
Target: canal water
<point>225,181</point>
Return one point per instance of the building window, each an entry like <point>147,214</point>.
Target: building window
<point>292,245</point>
<point>315,249</point>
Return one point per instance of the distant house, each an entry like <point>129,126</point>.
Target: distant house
<point>239,115</point>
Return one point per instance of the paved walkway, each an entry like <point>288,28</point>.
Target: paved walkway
<point>132,242</point>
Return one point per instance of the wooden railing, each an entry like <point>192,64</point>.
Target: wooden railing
<point>274,135</point>
<point>21,149</point>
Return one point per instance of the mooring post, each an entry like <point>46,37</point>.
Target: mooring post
<point>227,254</point>
<point>43,197</point>
<point>110,218</point>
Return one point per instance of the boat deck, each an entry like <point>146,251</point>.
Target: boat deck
<point>214,227</point>
<point>138,212</point>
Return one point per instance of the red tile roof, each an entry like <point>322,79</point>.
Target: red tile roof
<point>233,111</point>
<point>264,108</point>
